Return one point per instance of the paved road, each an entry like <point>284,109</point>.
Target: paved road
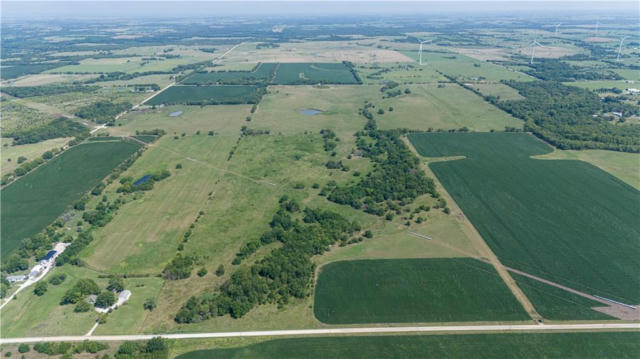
<point>316,332</point>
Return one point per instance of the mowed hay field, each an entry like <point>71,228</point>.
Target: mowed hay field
<point>207,95</point>
<point>413,290</point>
<point>37,199</point>
<point>566,221</point>
<point>465,68</point>
<point>441,106</point>
<point>521,346</point>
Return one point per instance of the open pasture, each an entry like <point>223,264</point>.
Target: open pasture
<point>565,221</point>
<point>413,290</point>
<point>29,151</point>
<point>207,95</point>
<point>502,91</point>
<point>467,69</point>
<point>37,199</point>
<point>521,346</point>
<point>441,106</point>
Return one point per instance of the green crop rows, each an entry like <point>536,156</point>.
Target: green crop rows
<point>261,74</point>
<point>529,345</point>
<point>413,290</point>
<point>566,221</point>
<point>208,95</point>
<point>33,202</point>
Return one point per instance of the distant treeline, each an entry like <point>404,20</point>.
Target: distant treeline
<point>557,70</point>
<point>60,127</point>
<point>102,111</point>
<point>47,90</point>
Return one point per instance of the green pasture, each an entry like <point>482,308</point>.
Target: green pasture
<point>261,74</point>
<point>566,221</point>
<point>502,91</point>
<point>310,73</point>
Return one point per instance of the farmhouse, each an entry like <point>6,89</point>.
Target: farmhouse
<point>16,278</point>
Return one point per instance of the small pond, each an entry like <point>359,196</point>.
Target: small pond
<point>175,114</point>
<point>142,180</point>
<point>310,111</point>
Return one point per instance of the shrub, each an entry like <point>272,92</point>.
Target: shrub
<point>202,272</point>
<point>116,284</point>
<point>23,348</point>
<point>105,299</point>
<point>220,270</point>
<point>149,304</point>
<point>82,307</point>
<point>40,288</point>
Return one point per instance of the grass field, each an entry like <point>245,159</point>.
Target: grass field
<point>467,69</point>
<point>556,304</point>
<point>17,116</point>
<point>124,64</point>
<point>556,345</point>
<point>34,201</point>
<point>500,90</point>
<point>404,73</point>
<point>30,151</point>
<point>208,95</point>
<point>444,106</point>
<point>311,73</point>
<point>566,221</point>
<point>413,290</point>
<point>598,84</point>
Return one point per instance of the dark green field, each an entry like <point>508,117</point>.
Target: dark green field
<point>566,221</point>
<point>313,73</point>
<point>413,290</point>
<point>34,201</point>
<point>557,304</point>
<point>521,346</point>
<point>207,95</point>
<point>262,74</point>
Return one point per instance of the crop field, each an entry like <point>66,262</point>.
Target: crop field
<point>312,73</point>
<point>522,346</point>
<point>208,95</point>
<point>124,64</point>
<point>556,304</point>
<point>34,201</point>
<point>554,219</point>
<point>261,74</point>
<point>467,69</point>
<point>442,106</point>
<point>413,290</point>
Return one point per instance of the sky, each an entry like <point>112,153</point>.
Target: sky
<point>176,9</point>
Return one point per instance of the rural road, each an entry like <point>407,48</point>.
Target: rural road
<point>313,332</point>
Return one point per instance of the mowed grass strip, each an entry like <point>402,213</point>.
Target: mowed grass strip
<point>521,346</point>
<point>566,221</point>
<point>37,199</point>
<point>413,290</point>
<point>207,95</point>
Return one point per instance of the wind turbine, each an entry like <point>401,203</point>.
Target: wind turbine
<point>597,25</point>
<point>533,45</point>
<point>557,26</point>
<point>620,48</point>
<point>421,43</point>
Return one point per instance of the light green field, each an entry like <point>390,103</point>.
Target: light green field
<point>597,84</point>
<point>160,80</point>
<point>124,64</point>
<point>500,90</point>
<point>466,69</point>
<point>625,166</point>
<point>446,107</point>
<point>147,231</point>
<point>629,74</point>
<point>30,151</point>
<point>16,115</point>
<point>225,120</point>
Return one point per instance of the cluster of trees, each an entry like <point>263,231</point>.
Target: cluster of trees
<point>396,176</point>
<point>4,285</point>
<point>352,69</point>
<point>123,76</point>
<point>245,131</point>
<point>180,267</point>
<point>102,111</point>
<point>79,291</point>
<point>557,70</point>
<point>285,273</point>
<point>154,348</point>
<point>60,127</point>
<point>330,139</point>
<point>571,118</point>
<point>47,90</point>
<point>145,183</point>
<point>52,349</point>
